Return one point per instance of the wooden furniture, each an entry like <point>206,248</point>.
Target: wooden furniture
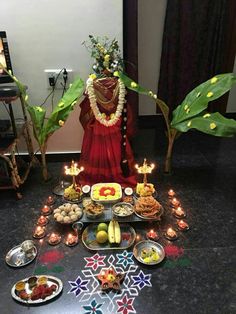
<point>10,139</point>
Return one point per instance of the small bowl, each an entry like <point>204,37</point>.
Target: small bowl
<point>86,189</point>
<point>129,191</point>
<point>130,210</point>
<point>148,245</point>
<point>94,216</point>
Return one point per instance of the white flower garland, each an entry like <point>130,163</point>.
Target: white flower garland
<point>93,104</point>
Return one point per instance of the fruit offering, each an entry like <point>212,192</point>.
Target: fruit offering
<point>106,192</point>
<point>67,213</point>
<point>145,189</point>
<point>149,255</point>
<point>101,233</point>
<point>114,233</point>
<point>72,193</point>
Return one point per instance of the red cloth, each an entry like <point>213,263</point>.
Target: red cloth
<point>101,149</point>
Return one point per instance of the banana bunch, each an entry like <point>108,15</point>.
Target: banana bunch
<point>114,234</point>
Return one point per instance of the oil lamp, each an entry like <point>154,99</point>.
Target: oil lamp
<point>145,169</point>
<point>73,171</point>
<point>171,234</point>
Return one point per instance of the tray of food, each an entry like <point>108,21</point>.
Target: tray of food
<point>106,192</point>
<point>149,252</point>
<point>147,207</point>
<point>111,236</point>
<point>36,289</point>
<point>145,189</point>
<point>67,213</point>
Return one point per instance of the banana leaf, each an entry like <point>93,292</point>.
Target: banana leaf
<point>197,100</point>
<point>141,90</point>
<point>214,124</point>
<point>129,82</point>
<point>37,115</point>
<point>63,108</point>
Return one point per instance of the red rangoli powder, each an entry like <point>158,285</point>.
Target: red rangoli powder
<point>173,251</point>
<point>51,257</point>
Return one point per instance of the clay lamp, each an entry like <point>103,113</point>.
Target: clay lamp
<point>39,232</point>
<point>179,212</point>
<point>54,238</point>
<point>50,200</point>
<point>46,210</point>
<point>110,279</point>
<point>171,234</point>
<point>171,193</point>
<point>152,235</point>
<point>42,221</point>
<point>71,240</point>
<point>182,225</point>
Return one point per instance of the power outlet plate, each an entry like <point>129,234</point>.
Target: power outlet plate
<point>53,73</point>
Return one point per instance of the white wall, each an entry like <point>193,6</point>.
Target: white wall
<point>151,16</point>
<point>48,34</point>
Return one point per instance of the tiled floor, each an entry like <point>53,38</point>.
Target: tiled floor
<point>201,280</point>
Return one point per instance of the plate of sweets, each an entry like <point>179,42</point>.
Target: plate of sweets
<point>36,289</point>
<point>147,207</point>
<point>67,213</point>
<point>106,192</point>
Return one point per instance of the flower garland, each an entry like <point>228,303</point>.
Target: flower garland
<point>93,104</point>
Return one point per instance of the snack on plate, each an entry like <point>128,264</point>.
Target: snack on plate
<point>128,199</point>
<point>36,291</point>
<point>72,193</point>
<point>106,192</point>
<point>145,189</point>
<point>67,213</point>
<point>93,210</point>
<point>147,206</point>
<point>123,209</point>
<point>149,255</point>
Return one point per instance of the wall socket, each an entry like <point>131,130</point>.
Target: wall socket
<point>53,77</point>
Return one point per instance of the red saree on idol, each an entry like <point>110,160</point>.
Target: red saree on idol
<point>101,152</point>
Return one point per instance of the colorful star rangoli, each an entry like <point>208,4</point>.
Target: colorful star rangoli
<point>91,298</point>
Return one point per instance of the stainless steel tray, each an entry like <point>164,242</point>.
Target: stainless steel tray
<point>51,280</point>
<point>128,236</point>
<point>147,244</point>
<point>16,257</point>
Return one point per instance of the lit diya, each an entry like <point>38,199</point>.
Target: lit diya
<point>179,212</point>
<point>152,235</point>
<point>54,238</point>
<point>171,234</point>
<point>171,193</point>
<point>182,225</point>
<point>71,240</point>
<point>50,200</point>
<point>110,279</point>
<point>46,210</point>
<point>42,221</point>
<point>39,232</point>
<point>175,202</point>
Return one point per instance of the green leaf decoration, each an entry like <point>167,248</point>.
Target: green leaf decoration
<point>63,108</point>
<point>211,123</point>
<point>130,84</point>
<point>37,115</point>
<point>197,100</point>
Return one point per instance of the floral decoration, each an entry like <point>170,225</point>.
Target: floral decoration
<point>125,305</point>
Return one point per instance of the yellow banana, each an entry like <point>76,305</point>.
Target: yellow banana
<point>117,232</point>
<point>111,233</point>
